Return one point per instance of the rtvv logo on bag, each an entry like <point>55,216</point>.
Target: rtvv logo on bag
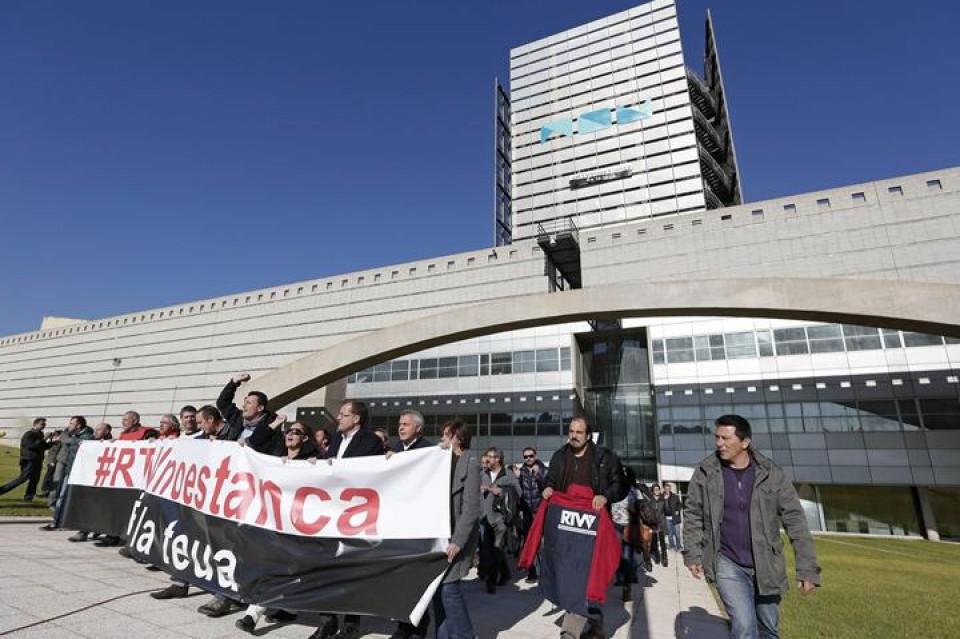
<point>578,522</point>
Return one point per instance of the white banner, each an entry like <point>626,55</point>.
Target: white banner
<point>404,497</point>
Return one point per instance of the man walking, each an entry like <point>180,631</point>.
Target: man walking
<point>736,502</point>
<point>533,479</point>
<point>500,491</point>
<point>32,447</point>
<point>671,511</point>
<point>582,465</point>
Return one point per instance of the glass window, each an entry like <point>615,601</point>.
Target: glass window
<point>825,339</point>
<point>352,378</point>
<point>467,366</point>
<point>485,364</point>
<point>448,367</point>
<point>381,372</point>
<point>921,339</point>
<point>428,368</point>
<point>400,370</point>
<point>658,357</point>
<point>740,345</point>
<point>679,349</point>
<point>564,359</point>
<point>414,365</point>
<point>701,347</point>
<point>891,338</point>
<point>548,360</point>
<point>875,510</point>
<point>790,341</point>
<point>524,361</point>
<point>861,338</point>
<point>765,343</point>
<point>501,363</point>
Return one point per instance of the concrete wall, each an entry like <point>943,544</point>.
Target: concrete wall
<point>159,359</point>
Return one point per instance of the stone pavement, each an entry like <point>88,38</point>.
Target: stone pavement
<point>45,577</point>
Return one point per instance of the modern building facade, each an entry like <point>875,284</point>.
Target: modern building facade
<point>605,123</point>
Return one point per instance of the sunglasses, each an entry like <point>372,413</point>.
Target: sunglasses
<point>529,456</point>
<point>296,431</point>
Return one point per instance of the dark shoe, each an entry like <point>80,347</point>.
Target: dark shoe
<point>79,536</point>
<point>246,623</point>
<point>280,616</point>
<point>125,552</point>
<point>326,631</point>
<point>665,563</point>
<point>48,527</point>
<point>216,608</point>
<point>530,580</point>
<point>648,565</point>
<point>491,586</point>
<point>28,500</point>
<point>152,568</point>
<point>109,541</point>
<point>173,591</point>
<point>404,631</point>
<point>627,592</point>
<point>349,631</point>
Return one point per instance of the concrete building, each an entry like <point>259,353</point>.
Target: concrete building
<point>605,123</point>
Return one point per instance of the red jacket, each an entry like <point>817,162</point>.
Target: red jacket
<point>606,549</point>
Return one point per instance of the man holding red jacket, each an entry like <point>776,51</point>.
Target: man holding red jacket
<point>587,479</point>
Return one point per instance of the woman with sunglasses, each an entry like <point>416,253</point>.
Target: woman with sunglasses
<point>298,443</point>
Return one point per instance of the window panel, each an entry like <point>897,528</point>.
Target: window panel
<point>740,345</point>
<point>548,360</point>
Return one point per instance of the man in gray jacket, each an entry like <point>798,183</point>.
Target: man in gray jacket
<point>736,502</point>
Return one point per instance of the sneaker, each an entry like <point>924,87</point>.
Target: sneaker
<point>48,527</point>
<point>79,536</point>
<point>125,552</point>
<point>173,591</point>
<point>326,631</point>
<point>280,616</point>
<point>246,623</point>
<point>216,607</point>
<point>349,631</point>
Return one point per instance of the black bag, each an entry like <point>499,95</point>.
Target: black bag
<point>647,512</point>
<point>507,503</point>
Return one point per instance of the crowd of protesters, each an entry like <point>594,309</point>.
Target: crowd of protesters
<point>495,507</point>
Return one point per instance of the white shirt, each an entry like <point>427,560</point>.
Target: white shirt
<point>347,438</point>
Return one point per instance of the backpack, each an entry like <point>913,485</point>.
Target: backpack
<point>507,503</point>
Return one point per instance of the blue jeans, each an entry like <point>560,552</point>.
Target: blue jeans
<point>752,616</point>
<point>627,571</point>
<point>672,537</point>
<point>450,610</point>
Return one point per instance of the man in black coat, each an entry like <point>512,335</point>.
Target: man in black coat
<point>254,412</point>
<point>410,432</point>
<point>352,439</point>
<point>32,447</point>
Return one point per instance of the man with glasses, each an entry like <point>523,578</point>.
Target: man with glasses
<point>352,439</point>
<point>533,479</point>
<point>500,492</point>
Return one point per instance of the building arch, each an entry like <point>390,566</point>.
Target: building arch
<point>913,306</point>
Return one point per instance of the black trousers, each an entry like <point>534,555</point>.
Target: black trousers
<point>30,470</point>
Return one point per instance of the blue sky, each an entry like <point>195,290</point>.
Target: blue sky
<point>159,152</point>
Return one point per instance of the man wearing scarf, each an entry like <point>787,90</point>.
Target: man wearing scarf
<point>579,470</point>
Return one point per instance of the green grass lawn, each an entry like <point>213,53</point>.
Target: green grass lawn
<point>877,587</point>
<point>12,503</point>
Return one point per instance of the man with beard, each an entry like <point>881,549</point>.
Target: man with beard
<point>582,465</point>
